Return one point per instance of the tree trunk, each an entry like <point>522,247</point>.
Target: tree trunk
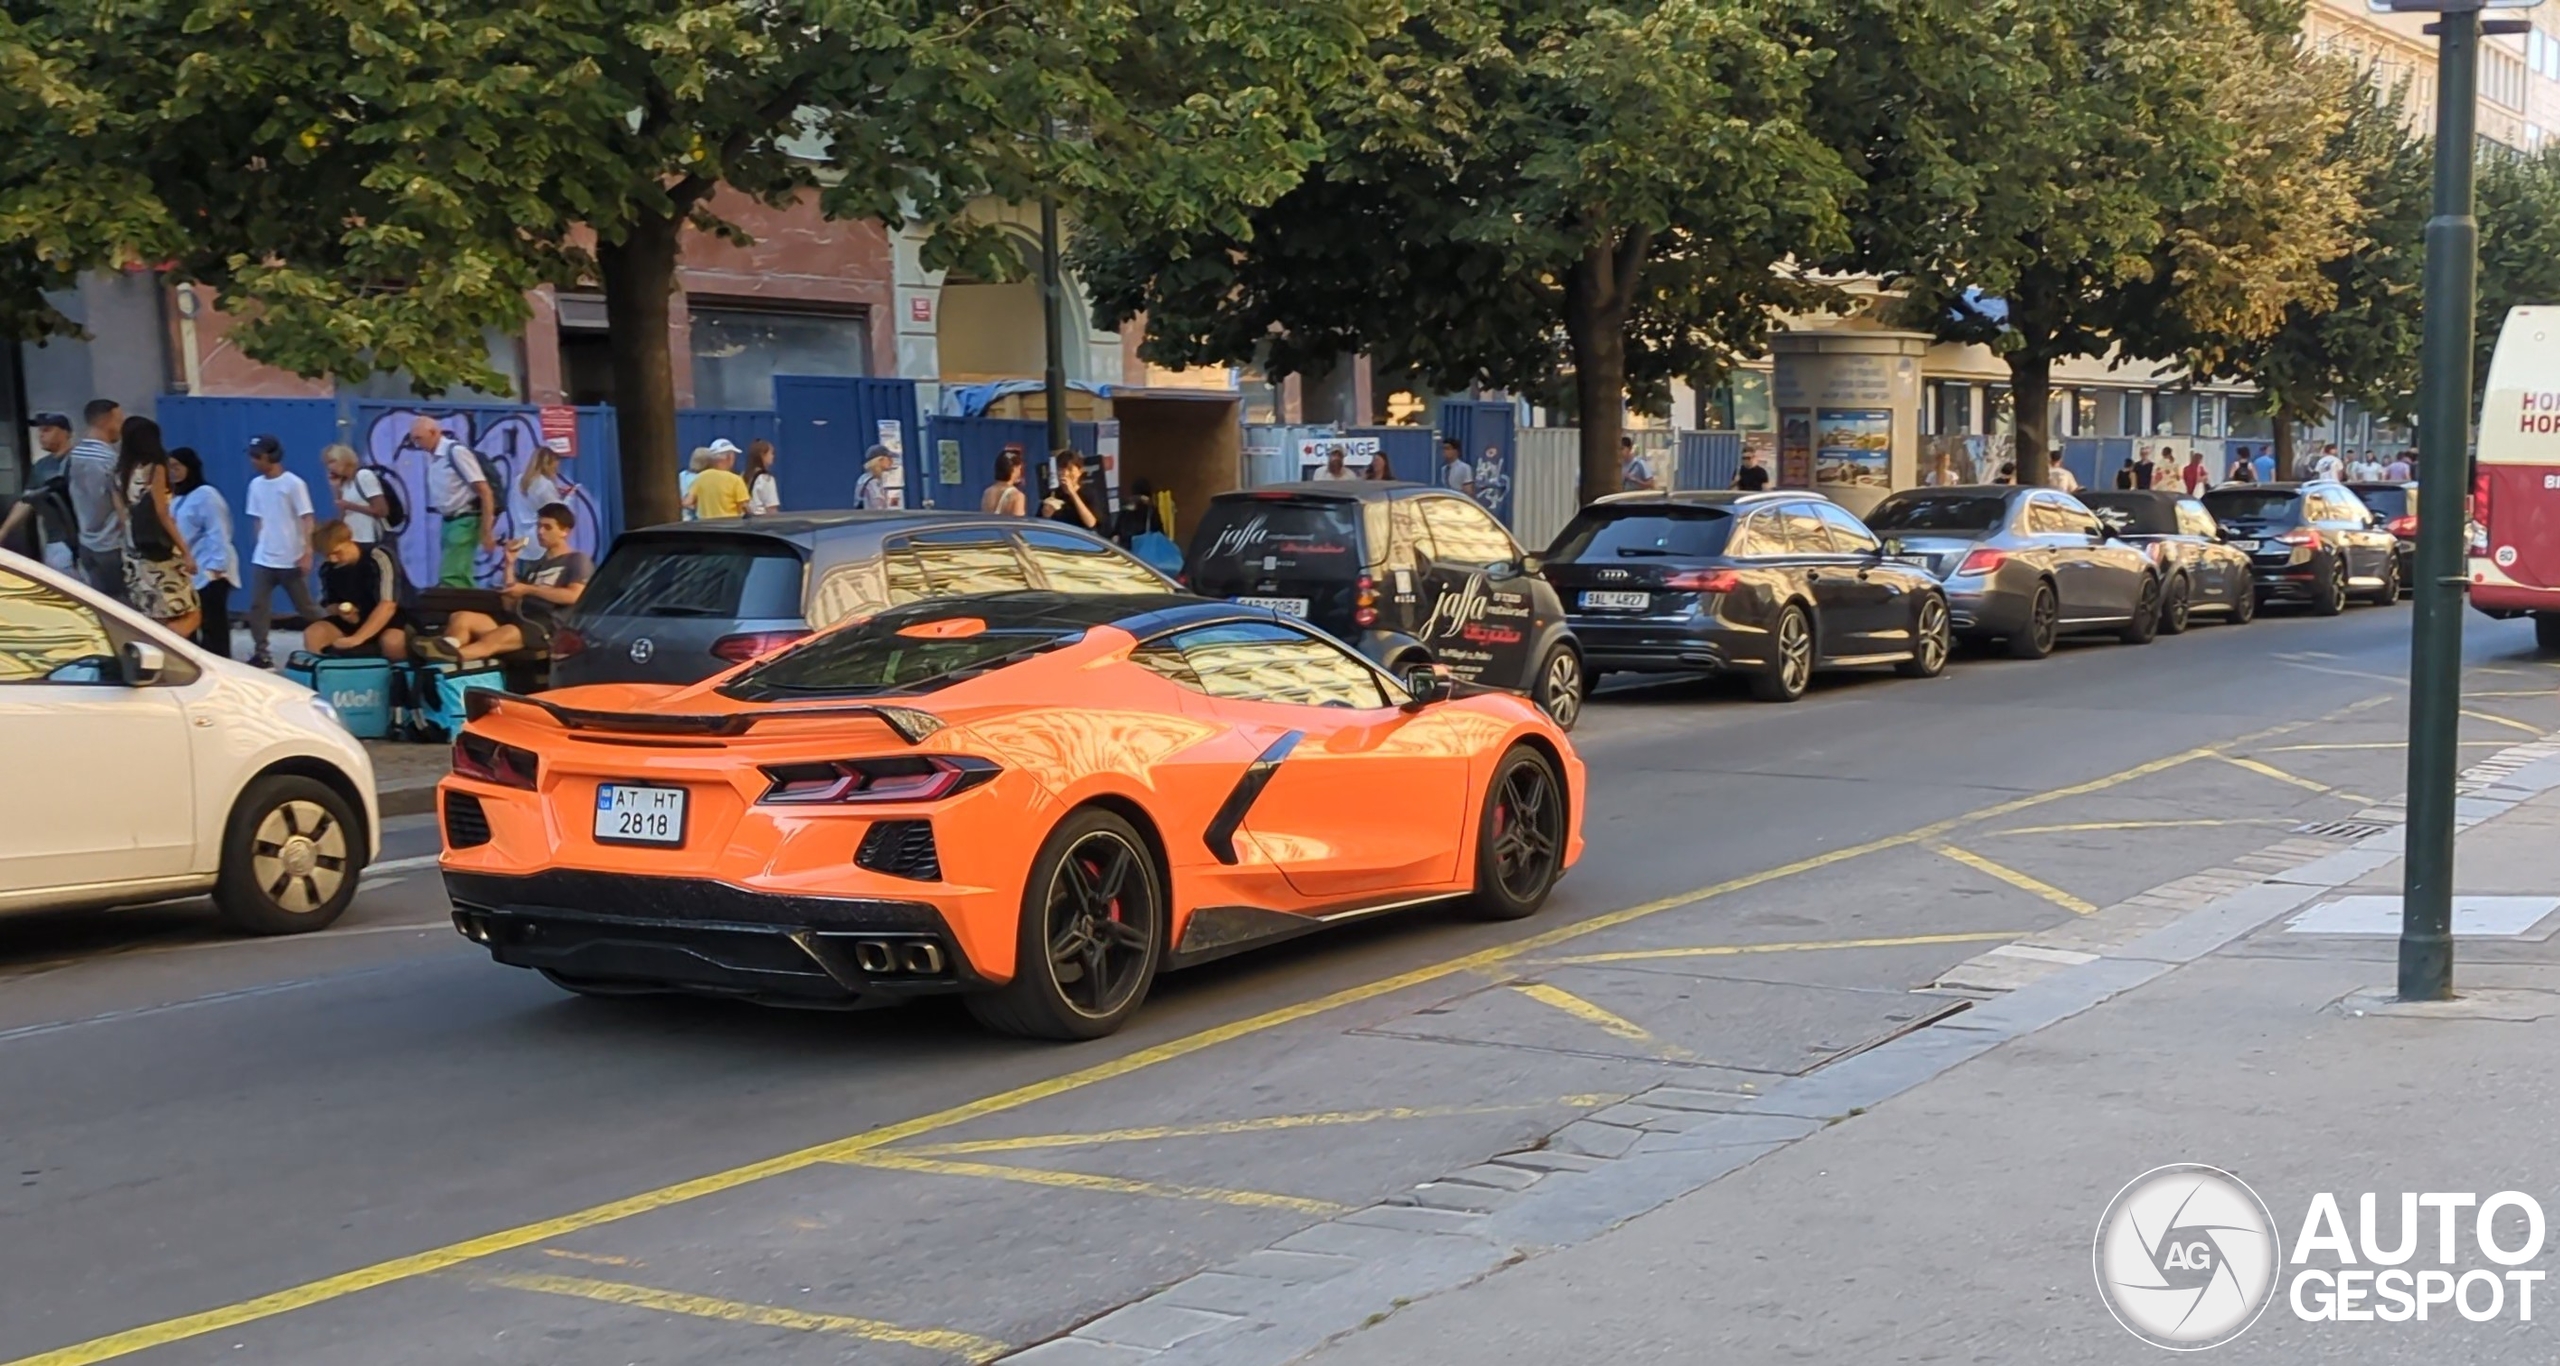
<point>639,274</point>
<point>1597,295</point>
<point>2031,403</point>
<point>2284,446</point>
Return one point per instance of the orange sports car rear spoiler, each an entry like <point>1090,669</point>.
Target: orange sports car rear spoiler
<point>912,726</point>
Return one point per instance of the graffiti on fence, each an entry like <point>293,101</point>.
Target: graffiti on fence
<point>505,440</point>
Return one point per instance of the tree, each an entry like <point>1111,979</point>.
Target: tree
<point>2519,211</point>
<point>2116,192</point>
<point>374,186</point>
<point>1538,196</point>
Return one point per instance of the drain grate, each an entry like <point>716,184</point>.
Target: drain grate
<point>2343,830</point>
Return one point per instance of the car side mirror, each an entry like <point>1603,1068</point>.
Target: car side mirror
<point>1533,565</point>
<point>143,663</point>
<point>1431,688</point>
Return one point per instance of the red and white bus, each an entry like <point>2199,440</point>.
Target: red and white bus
<point>2515,491</point>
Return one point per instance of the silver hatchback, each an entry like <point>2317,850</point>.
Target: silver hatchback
<point>2024,566</point>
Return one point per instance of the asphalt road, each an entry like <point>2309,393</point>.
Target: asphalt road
<point>373,1145</point>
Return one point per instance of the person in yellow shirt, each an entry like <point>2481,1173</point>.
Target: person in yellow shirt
<point>718,492</point>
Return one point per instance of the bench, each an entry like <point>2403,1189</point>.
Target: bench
<point>528,671</point>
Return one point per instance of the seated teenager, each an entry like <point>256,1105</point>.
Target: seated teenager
<point>360,595</point>
<point>537,594</point>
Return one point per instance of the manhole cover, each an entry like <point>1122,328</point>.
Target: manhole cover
<point>2343,830</point>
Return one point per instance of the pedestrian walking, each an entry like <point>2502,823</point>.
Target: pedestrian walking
<point>41,524</point>
<point>1635,472</point>
<point>53,446</point>
<point>459,492</point>
<point>1380,467</point>
<point>764,492</point>
<point>280,521</point>
<point>91,474</point>
<point>718,494</point>
<point>1004,497</point>
<point>701,459</point>
<point>1455,472</point>
<point>1069,501</point>
<point>360,499</point>
<point>204,522</point>
<point>538,487</point>
<point>2195,474</point>
<point>2264,466</point>
<point>1334,471</point>
<point>1753,477</point>
<point>872,490</point>
<point>2137,470</point>
<point>2328,465</point>
<point>159,574</point>
<point>2366,468</point>
<point>2164,470</point>
<point>1942,472</point>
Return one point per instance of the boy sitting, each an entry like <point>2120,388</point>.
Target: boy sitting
<point>360,593</point>
<point>537,594</point>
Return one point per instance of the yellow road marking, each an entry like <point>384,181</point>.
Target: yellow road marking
<point>1557,998</point>
<point>2377,744</point>
<point>2019,880</point>
<point>2497,720</point>
<point>2134,825</point>
<point>1087,1181</point>
<point>416,1264</point>
<point>1804,946</point>
<point>2267,770</point>
<point>1216,1128</point>
<point>2525,692</point>
<point>967,1346</point>
<point>596,1257</point>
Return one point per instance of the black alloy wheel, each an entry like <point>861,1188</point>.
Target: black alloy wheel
<point>1520,837</point>
<point>2332,596</point>
<point>2244,607</point>
<point>1561,686</point>
<point>1789,669</point>
<point>2044,621</point>
<point>2146,615</point>
<point>1932,640</point>
<point>1092,934</point>
<point>2389,593</point>
<point>2177,610</point>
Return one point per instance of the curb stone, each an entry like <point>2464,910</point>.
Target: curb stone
<point>1592,1175</point>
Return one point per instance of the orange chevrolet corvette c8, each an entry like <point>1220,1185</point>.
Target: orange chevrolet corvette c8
<point>1036,800</point>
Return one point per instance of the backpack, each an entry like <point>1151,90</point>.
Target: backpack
<point>395,501</point>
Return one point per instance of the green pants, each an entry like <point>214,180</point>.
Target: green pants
<point>461,548</point>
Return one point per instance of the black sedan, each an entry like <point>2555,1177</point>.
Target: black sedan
<point>2313,543</point>
<point>2205,575</point>
<point>1772,586</point>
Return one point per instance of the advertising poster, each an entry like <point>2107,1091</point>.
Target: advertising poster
<point>1106,450</point>
<point>1853,446</point>
<point>1795,448</point>
<point>946,454</point>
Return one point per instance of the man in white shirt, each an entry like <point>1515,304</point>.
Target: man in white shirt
<point>460,494</point>
<point>1334,470</point>
<point>279,507</point>
<point>1455,473</point>
<point>2328,466</point>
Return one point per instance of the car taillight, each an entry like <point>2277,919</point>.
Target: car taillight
<point>1982,561</point>
<point>566,641</point>
<point>1364,602</point>
<point>2300,536</point>
<point>2404,526</point>
<point>896,778</point>
<point>1704,581</point>
<point>746,645</point>
<point>482,759</point>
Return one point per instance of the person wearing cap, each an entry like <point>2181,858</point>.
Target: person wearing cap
<point>873,489</point>
<point>53,437</point>
<point>41,523</point>
<point>461,497</point>
<point>718,494</point>
<point>279,507</point>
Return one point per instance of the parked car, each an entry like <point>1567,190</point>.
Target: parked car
<point>1772,586</point>
<point>2312,543</point>
<point>1413,577</point>
<point>2023,566</point>
<point>149,769</point>
<point>2205,575</point>
<point>2396,503</point>
<point>679,603</point>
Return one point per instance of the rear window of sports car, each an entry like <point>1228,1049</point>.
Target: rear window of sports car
<point>887,655</point>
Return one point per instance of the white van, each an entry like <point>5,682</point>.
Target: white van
<point>2515,491</point>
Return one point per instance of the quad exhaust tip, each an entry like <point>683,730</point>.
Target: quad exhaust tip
<point>886,958</point>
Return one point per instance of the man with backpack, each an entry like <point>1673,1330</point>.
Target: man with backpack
<point>460,495</point>
<point>43,525</point>
<point>368,497</point>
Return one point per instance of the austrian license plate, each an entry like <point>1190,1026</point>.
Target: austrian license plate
<point>2245,545</point>
<point>634,813</point>
<point>1607,601</point>
<point>1287,607</point>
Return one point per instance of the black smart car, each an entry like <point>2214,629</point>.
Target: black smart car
<point>2314,543</point>
<point>1772,586</point>
<point>1411,576</point>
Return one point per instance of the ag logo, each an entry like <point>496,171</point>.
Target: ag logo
<point>2186,1257</point>
<point>641,649</point>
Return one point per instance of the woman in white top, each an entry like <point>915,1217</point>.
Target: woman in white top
<point>537,488</point>
<point>764,494</point>
<point>703,459</point>
<point>362,504</point>
<point>1004,497</point>
<point>204,521</point>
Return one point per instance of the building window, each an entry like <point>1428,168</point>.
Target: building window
<point>2136,420</point>
<point>1955,409</point>
<point>737,352</point>
<point>2084,418</point>
<point>2208,415</point>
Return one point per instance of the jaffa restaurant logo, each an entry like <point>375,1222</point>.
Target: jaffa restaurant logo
<point>2186,1257</point>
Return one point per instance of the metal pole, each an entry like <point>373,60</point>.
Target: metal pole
<point>2444,436</point>
<point>1053,306</point>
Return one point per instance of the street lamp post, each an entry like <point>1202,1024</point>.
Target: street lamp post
<point>1053,309</point>
<point>2444,441</point>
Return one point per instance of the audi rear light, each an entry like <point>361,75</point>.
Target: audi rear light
<point>746,645</point>
<point>484,760</point>
<point>896,778</point>
<point>1364,602</point>
<point>1704,581</point>
<point>566,641</point>
<point>1982,561</point>
<point>2404,527</point>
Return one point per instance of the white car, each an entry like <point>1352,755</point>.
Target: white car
<point>136,767</point>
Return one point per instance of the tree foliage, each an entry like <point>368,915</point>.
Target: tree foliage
<point>1539,195</point>
<point>2519,213</point>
